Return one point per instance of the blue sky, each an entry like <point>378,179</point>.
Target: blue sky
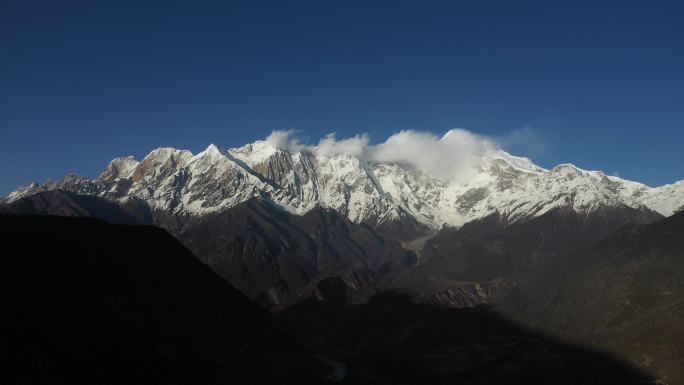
<point>596,83</point>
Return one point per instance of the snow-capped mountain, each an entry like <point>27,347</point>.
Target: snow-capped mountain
<point>178,182</point>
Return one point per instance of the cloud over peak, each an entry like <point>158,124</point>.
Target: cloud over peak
<point>457,155</point>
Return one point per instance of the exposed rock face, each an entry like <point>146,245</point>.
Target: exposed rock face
<point>467,295</point>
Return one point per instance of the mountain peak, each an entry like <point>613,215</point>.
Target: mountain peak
<point>518,162</point>
<point>163,154</point>
<point>254,153</point>
<point>364,191</point>
<point>212,148</point>
<point>569,169</point>
<point>122,167</point>
<point>212,151</point>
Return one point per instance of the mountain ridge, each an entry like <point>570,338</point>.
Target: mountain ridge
<point>179,183</point>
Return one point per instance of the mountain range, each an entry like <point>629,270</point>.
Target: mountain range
<point>263,215</point>
<point>315,235</point>
<point>405,199</point>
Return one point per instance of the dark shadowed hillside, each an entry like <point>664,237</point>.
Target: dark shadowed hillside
<point>86,302</point>
<point>625,295</point>
<point>485,260</point>
<point>392,340</point>
<point>278,258</point>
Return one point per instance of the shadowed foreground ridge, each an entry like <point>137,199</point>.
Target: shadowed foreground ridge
<point>89,302</point>
<point>392,340</point>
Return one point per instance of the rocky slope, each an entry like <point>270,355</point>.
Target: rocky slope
<point>279,258</point>
<point>486,260</point>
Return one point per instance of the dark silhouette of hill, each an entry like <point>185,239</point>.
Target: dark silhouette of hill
<point>86,302</point>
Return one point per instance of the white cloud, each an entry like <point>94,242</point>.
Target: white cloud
<point>354,146</point>
<point>285,140</point>
<point>455,156</point>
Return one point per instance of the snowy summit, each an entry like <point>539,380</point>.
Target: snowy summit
<point>435,182</point>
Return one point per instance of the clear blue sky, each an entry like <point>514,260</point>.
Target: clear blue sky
<point>601,82</point>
